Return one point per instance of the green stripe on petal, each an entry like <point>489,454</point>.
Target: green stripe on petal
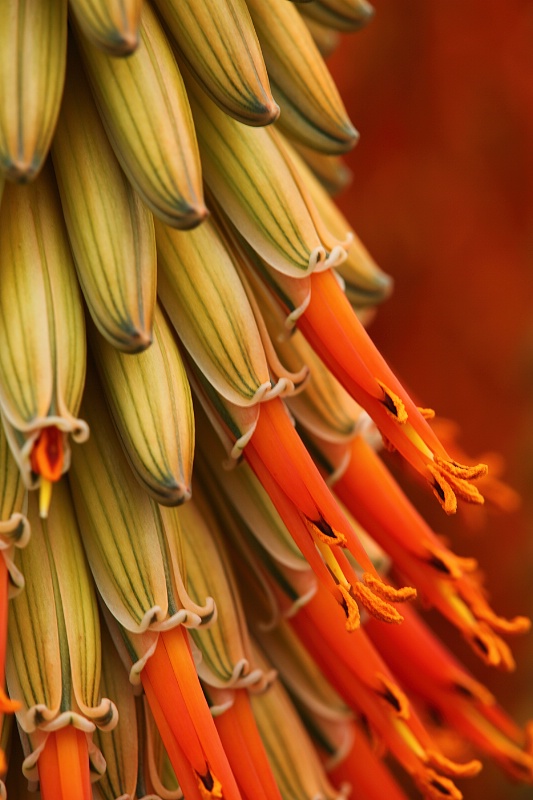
<point>112,25</point>
<point>33,49</point>
<point>311,108</point>
<point>251,180</point>
<point>203,295</point>
<point>146,113</point>
<point>150,400</point>
<point>218,41</point>
<point>110,230</point>
<point>42,329</point>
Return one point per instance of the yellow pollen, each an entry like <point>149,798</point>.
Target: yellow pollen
<point>335,538</point>
<point>386,592</point>
<point>45,496</point>
<point>353,618</point>
<point>213,789</point>
<point>468,770</point>
<point>394,405</point>
<point>333,565</point>
<point>394,697</point>
<point>375,606</point>
<point>460,470</point>
<point>434,786</point>
<point>442,490</point>
<point>427,413</point>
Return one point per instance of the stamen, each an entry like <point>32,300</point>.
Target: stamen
<point>442,490</point>
<point>459,470</point>
<point>394,697</point>
<point>434,786</point>
<point>325,533</point>
<point>386,592</point>
<point>375,606</point>
<point>427,413</point>
<point>210,788</point>
<point>353,617</point>
<point>393,404</point>
<point>468,770</point>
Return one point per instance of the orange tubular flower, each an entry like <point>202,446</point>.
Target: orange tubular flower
<point>242,743</point>
<point>361,677</point>
<point>365,771</point>
<point>184,720</point>
<point>331,327</point>
<point>310,512</point>
<point>47,460</point>
<point>443,579</point>
<point>64,766</point>
<point>427,668</point>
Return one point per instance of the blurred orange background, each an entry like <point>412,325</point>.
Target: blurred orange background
<point>442,195</point>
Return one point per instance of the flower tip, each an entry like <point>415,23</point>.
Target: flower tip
<point>45,497</point>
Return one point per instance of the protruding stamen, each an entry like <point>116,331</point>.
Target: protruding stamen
<point>389,593</point>
<point>393,404</point>
<point>435,787</point>
<point>351,609</point>
<point>393,695</point>
<point>375,606</point>
<point>442,490</point>
<point>468,770</point>
<point>322,531</point>
<point>210,787</point>
<point>460,470</point>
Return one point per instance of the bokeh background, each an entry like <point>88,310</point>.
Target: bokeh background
<point>442,195</point>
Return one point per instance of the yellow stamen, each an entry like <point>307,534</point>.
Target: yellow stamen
<point>328,536</point>
<point>210,787</point>
<point>45,497</point>
<point>427,413</point>
<point>375,606</point>
<point>394,697</point>
<point>460,470</point>
<point>394,405</point>
<point>468,770</point>
<point>386,592</point>
<point>353,617</point>
<point>434,786</point>
<point>442,490</point>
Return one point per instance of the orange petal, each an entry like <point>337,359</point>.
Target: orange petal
<point>64,766</point>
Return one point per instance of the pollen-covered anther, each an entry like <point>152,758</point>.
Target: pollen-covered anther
<point>442,490</point>
<point>210,787</point>
<point>436,787</point>
<point>451,467</point>
<point>440,762</point>
<point>375,606</point>
<point>386,592</point>
<point>322,531</point>
<point>393,404</point>
<point>502,625</point>
<point>351,609</point>
<point>427,413</point>
<point>492,650</point>
<point>448,564</point>
<point>394,696</point>
<point>449,482</point>
<point>472,690</point>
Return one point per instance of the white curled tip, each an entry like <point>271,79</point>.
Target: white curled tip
<point>365,427</point>
<point>238,447</point>
<point>317,258</point>
<point>335,258</point>
<point>295,315</point>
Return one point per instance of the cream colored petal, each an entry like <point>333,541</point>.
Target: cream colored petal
<point>203,295</point>
<point>112,25</point>
<point>150,400</point>
<point>218,41</point>
<point>110,230</point>
<point>33,49</point>
<point>341,15</point>
<point>311,108</point>
<point>42,330</point>
<point>146,113</point>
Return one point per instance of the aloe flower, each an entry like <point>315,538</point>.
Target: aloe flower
<point>215,600</point>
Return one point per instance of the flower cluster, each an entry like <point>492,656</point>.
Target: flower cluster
<point>178,285</point>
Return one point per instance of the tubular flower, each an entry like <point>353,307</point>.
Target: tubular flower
<point>175,275</point>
